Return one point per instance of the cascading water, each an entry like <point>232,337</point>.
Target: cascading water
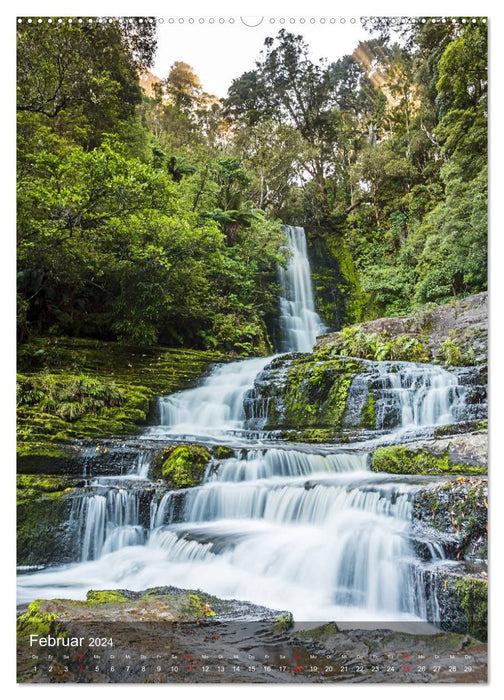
<point>407,395</point>
<point>308,529</point>
<point>213,408</point>
<point>299,322</point>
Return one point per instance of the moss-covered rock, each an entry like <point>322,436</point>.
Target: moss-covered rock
<point>222,452</point>
<point>153,604</point>
<point>105,597</point>
<point>368,414</point>
<point>462,600</point>
<point>181,466</point>
<point>338,296</point>
<point>315,436</point>
<point>473,597</point>
<point>460,428</point>
<point>304,391</point>
<point>283,623</point>
<point>458,510</point>
<point>45,533</point>
<point>321,633</point>
<point>36,621</point>
<point>398,459</point>
<point>30,486</point>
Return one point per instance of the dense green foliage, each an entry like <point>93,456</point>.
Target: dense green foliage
<point>154,217</point>
<point>354,342</point>
<point>387,152</point>
<point>118,236</point>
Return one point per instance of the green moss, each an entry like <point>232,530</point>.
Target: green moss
<point>222,452</point>
<point>368,415</point>
<point>34,621</point>
<point>197,608</point>
<point>29,486</point>
<point>85,389</point>
<point>460,428</point>
<point>314,392</point>
<point>473,596</point>
<point>311,435</point>
<point>181,466</point>
<point>397,459</point>
<point>104,597</point>
<point>42,526</point>
<point>283,622</point>
<point>322,633</point>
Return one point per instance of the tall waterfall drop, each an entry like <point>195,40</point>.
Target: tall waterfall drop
<point>299,322</point>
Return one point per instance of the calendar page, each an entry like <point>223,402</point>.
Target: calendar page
<point>252,349</point>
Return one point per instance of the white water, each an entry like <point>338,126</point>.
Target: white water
<point>299,322</point>
<point>313,531</point>
<point>213,408</point>
<point>425,394</point>
<point>408,395</point>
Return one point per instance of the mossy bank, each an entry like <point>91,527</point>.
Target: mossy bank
<point>86,389</point>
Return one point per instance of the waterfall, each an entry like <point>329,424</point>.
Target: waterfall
<point>214,407</point>
<point>407,395</point>
<point>107,521</point>
<point>300,527</point>
<point>299,322</point>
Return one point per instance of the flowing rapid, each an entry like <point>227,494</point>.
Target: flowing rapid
<point>306,528</point>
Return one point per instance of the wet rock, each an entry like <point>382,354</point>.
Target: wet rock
<point>301,391</point>
<point>455,513</point>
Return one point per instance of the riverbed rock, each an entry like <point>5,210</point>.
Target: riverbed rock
<point>174,635</point>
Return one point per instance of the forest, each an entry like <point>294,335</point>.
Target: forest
<point>153,215</point>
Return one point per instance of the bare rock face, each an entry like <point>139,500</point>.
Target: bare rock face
<point>465,322</point>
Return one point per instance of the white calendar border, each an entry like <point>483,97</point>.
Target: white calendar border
<point>7,277</point>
